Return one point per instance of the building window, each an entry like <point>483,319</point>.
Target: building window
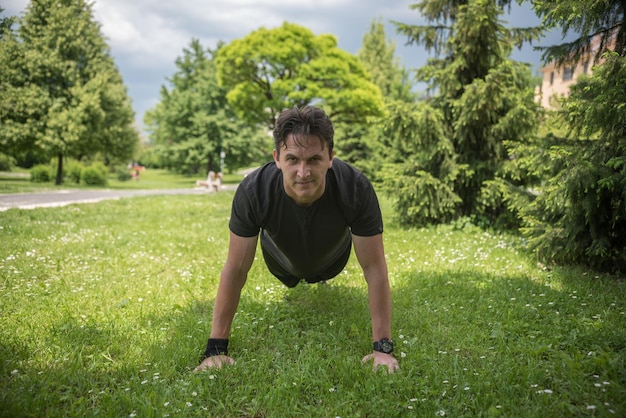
<point>568,73</point>
<point>552,78</point>
<point>585,67</point>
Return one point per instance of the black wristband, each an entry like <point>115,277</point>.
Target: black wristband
<point>216,347</point>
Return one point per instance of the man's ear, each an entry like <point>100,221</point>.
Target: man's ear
<point>332,155</point>
<point>276,161</point>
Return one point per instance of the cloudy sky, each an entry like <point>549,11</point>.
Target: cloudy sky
<point>146,36</point>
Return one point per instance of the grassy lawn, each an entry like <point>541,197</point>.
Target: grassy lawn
<point>105,310</point>
<point>19,182</point>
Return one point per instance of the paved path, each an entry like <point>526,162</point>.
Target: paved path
<point>68,197</point>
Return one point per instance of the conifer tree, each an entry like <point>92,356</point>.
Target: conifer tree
<point>580,215</point>
<point>363,145</point>
<point>454,148</point>
<point>591,21</point>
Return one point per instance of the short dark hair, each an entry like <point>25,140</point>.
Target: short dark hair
<point>302,123</point>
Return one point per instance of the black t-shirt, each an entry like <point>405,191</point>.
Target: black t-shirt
<point>309,237</point>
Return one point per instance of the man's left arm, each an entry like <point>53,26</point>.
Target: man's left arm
<point>371,256</point>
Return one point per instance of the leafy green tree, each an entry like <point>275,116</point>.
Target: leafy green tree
<point>22,104</point>
<point>193,123</point>
<point>6,23</point>
<point>580,216</point>
<point>273,69</point>
<point>452,151</point>
<point>62,94</point>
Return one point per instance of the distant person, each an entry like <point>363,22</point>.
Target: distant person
<point>208,183</point>
<point>309,209</point>
<point>217,184</point>
<point>136,170</point>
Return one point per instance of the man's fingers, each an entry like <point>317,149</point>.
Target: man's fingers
<point>390,368</point>
<point>383,360</point>
<point>393,367</point>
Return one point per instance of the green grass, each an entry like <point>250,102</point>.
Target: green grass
<point>105,310</point>
<point>19,182</point>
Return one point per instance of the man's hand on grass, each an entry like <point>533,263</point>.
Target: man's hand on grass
<point>382,359</point>
<point>379,359</point>
<point>214,362</point>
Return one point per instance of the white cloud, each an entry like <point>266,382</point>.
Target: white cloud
<point>138,34</point>
<point>153,32</point>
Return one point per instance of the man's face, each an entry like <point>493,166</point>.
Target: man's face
<point>304,168</point>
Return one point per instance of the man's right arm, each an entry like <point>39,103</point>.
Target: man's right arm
<point>241,252</point>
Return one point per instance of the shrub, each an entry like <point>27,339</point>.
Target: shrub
<point>94,175</point>
<point>73,171</point>
<point>123,174</point>
<point>41,174</point>
<point>6,163</point>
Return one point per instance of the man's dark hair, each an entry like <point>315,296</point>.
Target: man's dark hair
<point>302,123</point>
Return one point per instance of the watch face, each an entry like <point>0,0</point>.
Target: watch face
<point>384,346</point>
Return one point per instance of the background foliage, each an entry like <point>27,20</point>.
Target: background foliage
<point>270,70</point>
<point>193,123</point>
<point>473,147</point>
<point>580,215</point>
<point>582,212</point>
<point>459,139</point>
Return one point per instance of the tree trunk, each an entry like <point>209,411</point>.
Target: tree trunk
<point>59,178</point>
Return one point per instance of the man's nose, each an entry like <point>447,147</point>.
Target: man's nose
<point>303,170</point>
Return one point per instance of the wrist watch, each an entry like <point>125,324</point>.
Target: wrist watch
<point>384,346</point>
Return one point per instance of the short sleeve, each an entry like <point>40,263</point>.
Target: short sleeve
<point>242,219</point>
<point>367,219</point>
